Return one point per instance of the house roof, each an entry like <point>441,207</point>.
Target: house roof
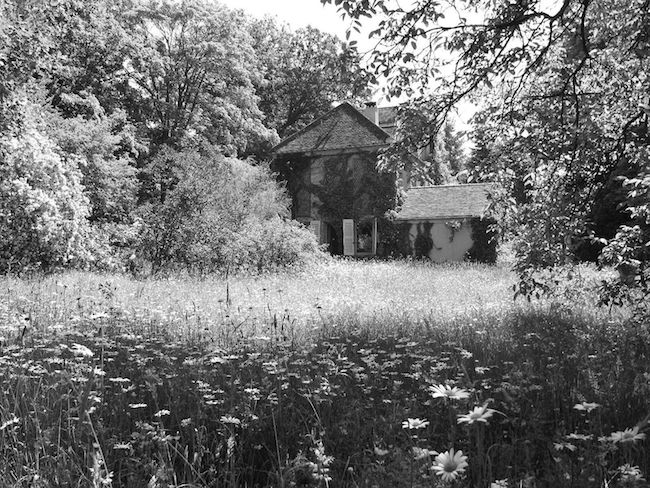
<point>445,202</point>
<point>343,127</point>
<point>384,117</point>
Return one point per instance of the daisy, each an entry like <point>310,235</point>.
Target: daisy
<point>229,419</point>
<point>477,414</point>
<point>627,435</point>
<point>579,437</point>
<point>414,423</point>
<point>420,453</point>
<point>450,465</point>
<point>81,350</point>
<point>564,446</point>
<point>381,452</point>
<point>586,406</point>
<point>444,391</point>
<point>630,474</point>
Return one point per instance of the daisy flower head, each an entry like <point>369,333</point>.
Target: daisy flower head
<point>477,414</point>
<point>630,474</point>
<point>81,350</point>
<point>627,435</point>
<point>586,406</point>
<point>450,465</point>
<point>499,484</point>
<point>564,446</point>
<point>229,419</point>
<point>420,453</point>
<point>448,392</point>
<point>381,452</point>
<point>413,424</point>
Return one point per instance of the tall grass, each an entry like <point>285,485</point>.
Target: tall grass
<point>378,295</point>
<point>309,379</point>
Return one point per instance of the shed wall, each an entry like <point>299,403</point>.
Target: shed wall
<point>447,243</point>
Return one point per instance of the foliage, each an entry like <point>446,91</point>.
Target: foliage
<point>43,208</point>
<point>423,242</point>
<point>106,145</point>
<point>394,240</point>
<point>26,43</point>
<point>536,395</point>
<point>90,44</point>
<point>629,250</point>
<point>566,119</point>
<point>353,188</point>
<point>484,240</point>
<point>194,67</point>
<point>429,154</point>
<point>303,74</point>
<point>219,213</point>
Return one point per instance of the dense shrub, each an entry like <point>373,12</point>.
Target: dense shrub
<point>484,241</point>
<point>43,209</point>
<point>221,214</point>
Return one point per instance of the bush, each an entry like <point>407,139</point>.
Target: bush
<point>43,210</point>
<point>484,241</point>
<point>277,243</point>
<point>222,215</point>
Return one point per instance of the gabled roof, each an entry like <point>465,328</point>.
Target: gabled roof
<point>343,127</point>
<point>445,202</point>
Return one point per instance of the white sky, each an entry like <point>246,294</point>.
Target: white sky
<point>297,13</point>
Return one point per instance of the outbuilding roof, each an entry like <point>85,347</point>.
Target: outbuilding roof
<point>445,202</point>
<point>343,127</point>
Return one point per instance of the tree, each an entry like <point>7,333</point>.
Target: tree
<point>26,43</point>
<point>106,146</point>
<point>450,149</point>
<point>565,116</point>
<point>194,69</point>
<point>429,156</point>
<point>303,73</point>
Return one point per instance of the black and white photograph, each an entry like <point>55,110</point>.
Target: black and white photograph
<point>324,243</point>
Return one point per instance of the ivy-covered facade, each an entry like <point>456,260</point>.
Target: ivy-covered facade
<point>330,171</point>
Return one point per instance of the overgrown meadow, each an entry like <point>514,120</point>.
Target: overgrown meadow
<point>351,374</point>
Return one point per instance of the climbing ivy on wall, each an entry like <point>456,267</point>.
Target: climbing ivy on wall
<point>394,238</point>
<point>484,238</point>
<point>355,192</point>
<point>423,242</point>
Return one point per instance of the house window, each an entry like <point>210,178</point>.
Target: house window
<point>360,237</point>
<point>365,232</point>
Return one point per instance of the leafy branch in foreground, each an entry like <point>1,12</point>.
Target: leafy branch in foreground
<point>561,88</point>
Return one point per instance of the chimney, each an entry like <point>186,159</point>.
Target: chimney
<point>371,112</point>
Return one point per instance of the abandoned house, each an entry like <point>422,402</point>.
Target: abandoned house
<point>330,170</point>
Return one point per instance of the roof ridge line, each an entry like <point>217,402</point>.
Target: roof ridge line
<point>448,185</point>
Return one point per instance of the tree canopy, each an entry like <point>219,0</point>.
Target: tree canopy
<point>303,72</point>
<point>117,90</point>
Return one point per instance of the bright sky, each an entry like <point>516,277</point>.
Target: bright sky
<point>297,13</point>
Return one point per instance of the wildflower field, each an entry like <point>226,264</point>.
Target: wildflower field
<point>351,374</point>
